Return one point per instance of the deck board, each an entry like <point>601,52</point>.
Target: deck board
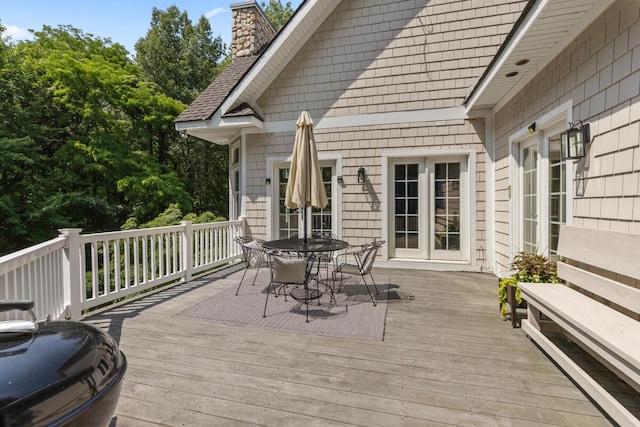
<point>447,359</point>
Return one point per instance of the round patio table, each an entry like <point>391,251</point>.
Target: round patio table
<point>313,245</point>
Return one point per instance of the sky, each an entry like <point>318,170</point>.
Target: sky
<point>123,21</point>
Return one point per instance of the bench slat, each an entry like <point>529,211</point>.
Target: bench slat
<point>610,250</point>
<point>623,295</point>
<point>612,335</point>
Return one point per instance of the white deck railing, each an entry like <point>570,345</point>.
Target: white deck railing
<point>73,273</point>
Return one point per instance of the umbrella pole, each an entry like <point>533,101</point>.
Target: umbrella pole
<point>304,213</point>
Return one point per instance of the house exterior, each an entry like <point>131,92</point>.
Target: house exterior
<point>432,101</point>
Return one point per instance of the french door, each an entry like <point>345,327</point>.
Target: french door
<point>290,221</point>
<point>429,208</point>
<point>529,156</point>
<point>541,193</point>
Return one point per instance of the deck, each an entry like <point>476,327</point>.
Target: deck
<point>446,359</point>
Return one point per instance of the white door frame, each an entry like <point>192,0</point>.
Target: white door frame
<point>390,158</point>
<point>548,125</point>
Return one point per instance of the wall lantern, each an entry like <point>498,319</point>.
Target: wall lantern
<point>267,181</point>
<point>532,127</point>
<point>340,180</point>
<point>574,141</point>
<point>362,175</point>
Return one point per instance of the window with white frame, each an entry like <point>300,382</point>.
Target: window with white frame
<point>235,206</point>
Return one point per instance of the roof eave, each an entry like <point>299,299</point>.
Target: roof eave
<point>221,130</point>
<point>492,89</point>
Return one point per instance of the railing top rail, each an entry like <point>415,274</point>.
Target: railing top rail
<point>112,235</point>
<point>16,259</point>
<point>220,224</point>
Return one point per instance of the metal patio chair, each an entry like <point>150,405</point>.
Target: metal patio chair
<point>358,261</point>
<point>290,271</point>
<point>323,259</point>
<point>254,256</point>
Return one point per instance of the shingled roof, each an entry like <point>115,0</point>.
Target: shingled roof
<point>208,102</point>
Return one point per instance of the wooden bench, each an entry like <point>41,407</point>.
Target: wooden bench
<point>598,309</point>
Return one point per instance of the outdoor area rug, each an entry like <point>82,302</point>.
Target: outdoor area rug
<point>352,315</point>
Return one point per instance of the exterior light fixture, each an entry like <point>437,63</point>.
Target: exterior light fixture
<point>362,175</point>
<point>267,181</point>
<point>574,140</point>
<point>532,127</point>
<point>340,180</point>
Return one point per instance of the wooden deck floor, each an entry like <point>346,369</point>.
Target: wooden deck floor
<point>446,359</point>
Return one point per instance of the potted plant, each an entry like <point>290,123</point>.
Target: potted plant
<point>527,267</point>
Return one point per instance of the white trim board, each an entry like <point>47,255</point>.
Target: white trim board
<point>453,113</point>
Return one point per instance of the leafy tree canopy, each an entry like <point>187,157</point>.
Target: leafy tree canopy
<point>277,13</point>
<point>180,57</point>
<point>75,117</point>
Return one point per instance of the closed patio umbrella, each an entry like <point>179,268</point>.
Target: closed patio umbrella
<point>305,186</point>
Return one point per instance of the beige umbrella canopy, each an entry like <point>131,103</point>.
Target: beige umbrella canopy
<point>305,187</point>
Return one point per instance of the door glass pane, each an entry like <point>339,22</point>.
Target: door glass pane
<point>557,193</point>
<point>287,218</point>
<point>406,206</point>
<point>321,218</point>
<point>529,200</point>
<point>447,206</point>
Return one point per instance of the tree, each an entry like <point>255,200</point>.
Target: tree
<point>176,55</point>
<point>74,117</point>
<point>278,14</point>
<point>183,60</point>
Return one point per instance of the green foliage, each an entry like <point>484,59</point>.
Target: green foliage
<point>88,141</point>
<point>75,121</point>
<point>180,57</point>
<point>173,216</point>
<point>277,14</point>
<point>21,190</point>
<point>529,267</point>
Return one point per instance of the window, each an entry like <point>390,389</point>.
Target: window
<point>235,207</point>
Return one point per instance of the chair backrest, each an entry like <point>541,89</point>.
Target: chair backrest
<point>288,270</point>
<point>252,250</point>
<point>368,256</point>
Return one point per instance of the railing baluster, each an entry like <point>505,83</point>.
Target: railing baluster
<point>127,263</point>
<point>116,265</point>
<point>136,261</point>
<point>94,270</point>
<point>106,268</point>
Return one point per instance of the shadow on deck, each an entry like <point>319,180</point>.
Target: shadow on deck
<point>446,359</point>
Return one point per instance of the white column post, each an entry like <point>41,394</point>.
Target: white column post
<point>71,271</point>
<point>186,245</point>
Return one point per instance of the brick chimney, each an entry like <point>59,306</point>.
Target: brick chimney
<point>251,31</point>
